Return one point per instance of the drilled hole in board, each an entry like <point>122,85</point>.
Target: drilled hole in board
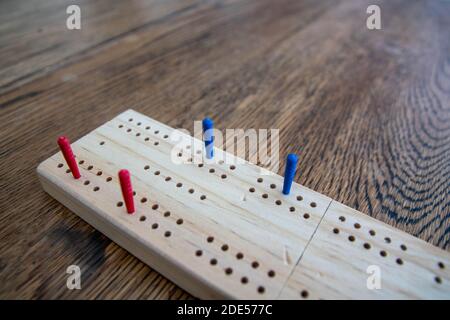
<point>131,119</point>
<point>147,139</point>
<point>210,239</point>
<point>128,130</point>
<point>156,143</point>
<point>200,165</point>
<point>306,216</point>
<point>154,226</point>
<point>108,179</point>
<point>441,265</point>
<point>180,154</point>
<point>260,180</point>
<point>232,167</point>
<point>273,186</point>
<point>146,167</point>
<point>265,195</point>
<point>403,247</point>
<point>255,264</point>
<point>90,167</point>
<point>438,280</point>
<point>372,232</point>
<point>68,171</point>
<point>96,189</point>
<point>225,247</point>
<point>213,261</point>
<point>167,214</point>
<point>202,197</point>
<point>223,176</point>
<point>198,253</point>
<point>134,193</point>
<point>168,179</point>
<point>138,123</point>
<point>144,200</point>
<point>239,255</point>
<point>366,246</point>
<point>155,207</point>
<point>191,190</point>
<point>199,151</point>
<point>165,136</point>
<point>313,204</point>
<point>147,128</point>
<point>271,273</point>
<point>81,162</point>
<point>120,203</point>
<point>291,209</point>
<point>179,185</point>
<point>342,218</point>
<point>180,221</point>
<point>261,289</point>
<point>336,230</point>
<point>383,253</point>
<point>60,165</point>
<point>102,143</point>
<point>399,261</point>
<point>142,218</point>
<point>244,280</point>
<point>278,202</point>
<point>157,173</point>
<point>99,173</point>
<point>351,238</point>
<point>120,126</point>
<point>157,131</point>
<point>357,226</point>
<point>228,271</point>
<point>387,240</point>
<point>212,170</point>
<point>299,198</point>
<point>251,189</point>
<point>304,294</point>
<point>86,182</point>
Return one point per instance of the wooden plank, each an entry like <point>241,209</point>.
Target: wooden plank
<point>347,243</point>
<point>222,238</point>
<point>208,227</point>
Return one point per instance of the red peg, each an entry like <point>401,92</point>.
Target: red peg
<point>64,145</point>
<point>127,189</point>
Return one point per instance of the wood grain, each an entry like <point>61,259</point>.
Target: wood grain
<point>366,110</point>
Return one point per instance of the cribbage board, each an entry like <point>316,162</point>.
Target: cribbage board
<point>227,231</point>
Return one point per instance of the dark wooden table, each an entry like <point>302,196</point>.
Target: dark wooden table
<point>367,111</point>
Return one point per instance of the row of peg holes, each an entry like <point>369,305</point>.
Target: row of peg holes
<point>224,176</point>
<point>229,270</point>
<point>120,203</point>
<point>383,253</point>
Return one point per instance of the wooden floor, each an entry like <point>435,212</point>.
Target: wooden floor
<point>367,111</point>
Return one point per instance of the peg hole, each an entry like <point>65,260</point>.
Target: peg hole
<point>271,273</point>
<point>403,247</point>
<point>96,189</point>
<point>304,294</point>
<point>155,207</point>
<point>191,190</point>
<point>299,198</point>
<point>313,204</point>
<point>60,165</point>
<point>202,197</point>
<point>86,182</point>
<point>179,185</point>
<point>255,264</point>
<point>167,214</point>
<point>351,238</point>
<point>366,246</point>
<point>265,195</point>
<point>261,289</point>
<point>225,247</point>
<point>399,261</point>
<point>306,216</point>
<point>142,218</point>
<point>239,255</point>
<point>157,173</point>
<point>223,176</point>
<point>167,234</point>
<point>228,271</point>
<point>441,265</point>
<point>387,240</point>
<point>180,221</point>
<point>146,167</point>
<point>438,280</point>
<point>213,261</point>
<point>99,173</point>
<point>357,226</point>
<point>120,203</point>
<point>342,218</point>
<point>108,179</point>
<point>244,280</point>
<point>336,230</point>
<point>102,143</point>
<point>156,143</point>
<point>155,226</point>
<point>210,239</point>
<point>144,200</point>
<point>212,170</point>
<point>90,167</point>
<point>198,253</point>
<point>251,189</point>
<point>273,186</point>
<point>372,233</point>
<point>278,202</point>
<point>260,180</point>
<point>81,162</point>
<point>168,179</point>
<point>68,171</point>
<point>383,253</point>
<point>291,209</point>
<point>232,167</point>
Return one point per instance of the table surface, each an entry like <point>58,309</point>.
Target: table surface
<point>367,110</point>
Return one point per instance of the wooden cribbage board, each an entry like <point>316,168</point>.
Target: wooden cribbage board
<point>227,231</point>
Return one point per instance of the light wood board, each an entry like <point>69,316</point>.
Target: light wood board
<point>227,231</point>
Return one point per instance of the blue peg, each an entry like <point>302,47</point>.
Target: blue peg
<point>208,137</point>
<point>289,173</point>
